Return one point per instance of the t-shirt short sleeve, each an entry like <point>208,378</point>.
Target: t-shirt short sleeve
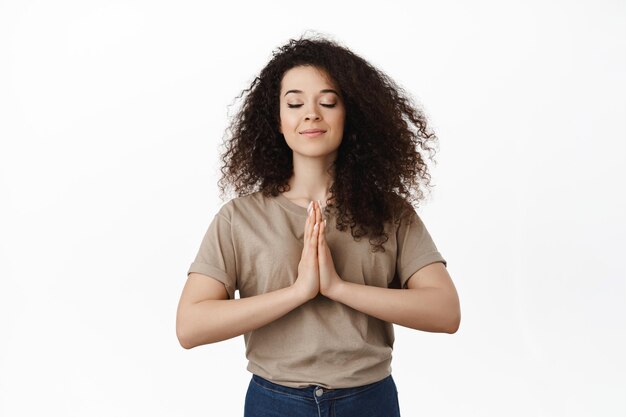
<point>416,248</point>
<point>216,256</point>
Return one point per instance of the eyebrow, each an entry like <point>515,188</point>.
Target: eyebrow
<point>328,90</point>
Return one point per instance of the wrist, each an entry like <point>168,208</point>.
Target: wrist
<point>336,290</point>
<point>298,293</point>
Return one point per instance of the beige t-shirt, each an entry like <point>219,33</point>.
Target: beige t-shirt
<point>254,244</point>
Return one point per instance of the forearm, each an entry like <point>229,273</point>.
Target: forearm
<point>212,321</point>
<point>427,309</point>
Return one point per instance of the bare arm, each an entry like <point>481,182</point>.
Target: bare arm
<point>205,315</point>
<point>430,303</point>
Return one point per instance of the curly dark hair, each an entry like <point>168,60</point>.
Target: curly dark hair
<point>378,166</point>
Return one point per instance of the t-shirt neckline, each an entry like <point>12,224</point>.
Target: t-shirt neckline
<point>290,205</point>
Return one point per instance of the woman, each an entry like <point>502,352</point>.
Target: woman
<point>322,141</point>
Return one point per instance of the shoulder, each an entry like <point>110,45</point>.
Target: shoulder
<point>243,204</point>
<point>248,200</point>
<point>405,213</point>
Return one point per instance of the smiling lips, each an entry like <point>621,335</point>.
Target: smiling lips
<point>312,132</point>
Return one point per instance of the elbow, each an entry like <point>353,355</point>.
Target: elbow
<point>183,339</point>
<point>453,328</point>
<point>453,325</point>
<point>186,333</point>
<point>454,320</point>
<point>183,333</point>
<point>186,345</point>
<point>189,338</point>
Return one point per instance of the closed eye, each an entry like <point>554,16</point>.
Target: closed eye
<point>295,106</point>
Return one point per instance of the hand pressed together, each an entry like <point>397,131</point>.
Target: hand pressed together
<point>316,270</point>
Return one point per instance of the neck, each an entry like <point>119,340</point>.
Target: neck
<point>311,179</point>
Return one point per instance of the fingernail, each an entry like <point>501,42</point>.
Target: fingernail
<point>308,209</point>
<point>324,222</point>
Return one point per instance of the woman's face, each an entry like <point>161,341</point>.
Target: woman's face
<point>309,100</point>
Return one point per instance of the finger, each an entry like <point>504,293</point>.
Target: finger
<point>320,217</point>
<point>309,223</point>
<point>308,227</point>
<point>318,212</point>
<point>315,233</point>
<point>322,235</point>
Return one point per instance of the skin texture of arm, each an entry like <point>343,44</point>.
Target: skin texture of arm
<point>430,303</point>
<point>205,315</point>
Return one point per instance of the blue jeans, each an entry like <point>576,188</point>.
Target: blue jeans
<point>267,399</point>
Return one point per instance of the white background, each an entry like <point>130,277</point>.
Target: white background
<point>111,114</point>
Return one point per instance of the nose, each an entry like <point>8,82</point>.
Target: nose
<point>312,114</point>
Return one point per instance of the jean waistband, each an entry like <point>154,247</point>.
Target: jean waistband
<point>313,391</point>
